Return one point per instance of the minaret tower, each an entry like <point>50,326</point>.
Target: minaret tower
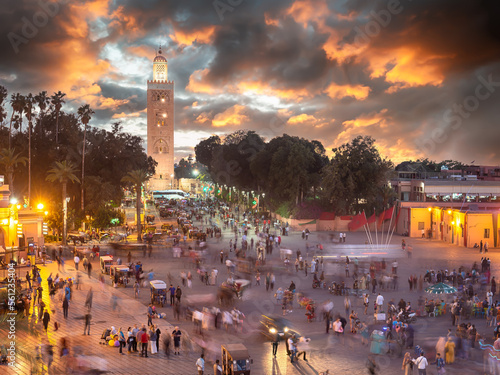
<point>160,110</point>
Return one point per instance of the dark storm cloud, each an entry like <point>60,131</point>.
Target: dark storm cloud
<point>427,58</point>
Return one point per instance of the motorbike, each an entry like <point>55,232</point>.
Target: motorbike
<point>407,317</point>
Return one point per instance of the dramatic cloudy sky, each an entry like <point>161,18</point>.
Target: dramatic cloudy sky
<point>421,77</point>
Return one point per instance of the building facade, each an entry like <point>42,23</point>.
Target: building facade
<point>160,123</point>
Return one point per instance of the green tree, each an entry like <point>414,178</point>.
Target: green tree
<point>102,218</point>
<point>10,160</point>
<point>355,175</point>
<point>63,172</point>
<point>137,178</point>
<point>57,101</point>
<point>17,103</point>
<point>204,150</point>
<point>29,102</point>
<point>3,113</point>
<point>42,100</point>
<point>85,114</point>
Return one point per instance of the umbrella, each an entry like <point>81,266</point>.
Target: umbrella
<point>440,288</point>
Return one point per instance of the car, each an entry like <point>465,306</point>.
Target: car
<point>272,325</point>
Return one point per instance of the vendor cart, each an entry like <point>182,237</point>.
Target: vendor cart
<point>121,274</point>
<point>235,360</point>
<point>158,292</point>
<point>106,261</point>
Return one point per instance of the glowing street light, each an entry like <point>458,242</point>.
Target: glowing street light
<point>40,206</point>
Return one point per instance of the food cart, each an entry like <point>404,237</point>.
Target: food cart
<point>123,273</point>
<point>158,292</point>
<point>106,261</point>
<point>235,360</point>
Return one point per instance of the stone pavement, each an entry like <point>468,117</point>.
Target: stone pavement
<point>30,333</point>
<point>327,352</point>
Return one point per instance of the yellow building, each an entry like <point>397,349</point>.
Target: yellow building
<point>458,227</point>
<point>18,227</point>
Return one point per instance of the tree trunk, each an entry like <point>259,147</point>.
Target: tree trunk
<point>65,218</point>
<point>57,127</point>
<point>138,212</point>
<point>10,179</point>
<point>83,164</point>
<point>10,128</point>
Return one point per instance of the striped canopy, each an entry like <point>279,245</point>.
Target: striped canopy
<point>440,288</point>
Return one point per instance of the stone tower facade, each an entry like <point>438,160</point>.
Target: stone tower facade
<point>160,111</point>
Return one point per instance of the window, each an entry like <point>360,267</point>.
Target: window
<point>161,177</point>
<point>487,233</point>
<point>421,225</point>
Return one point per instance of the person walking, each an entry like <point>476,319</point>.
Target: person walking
<point>440,364</point>
<point>450,351</point>
<point>136,289</point>
<point>87,319</point>
<point>178,294</point>
<point>217,368</point>
<point>65,308</point>
<point>407,365</point>
<point>158,333</point>
<point>275,342</point>
<point>172,294</point>
<point>421,363</point>
<point>292,348</point>
<point>176,334</point>
<point>150,315</point>
<point>89,268</point>
<point>46,320</point>
<point>121,340</point>
<point>200,364</point>
<point>144,342</point>
<point>76,259</point>
<point>88,300</point>
<point>28,279</point>
<point>153,339</point>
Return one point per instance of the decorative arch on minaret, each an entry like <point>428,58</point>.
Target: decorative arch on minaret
<point>160,146</point>
<point>160,68</point>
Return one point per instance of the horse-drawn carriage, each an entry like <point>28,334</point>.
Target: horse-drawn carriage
<point>235,287</point>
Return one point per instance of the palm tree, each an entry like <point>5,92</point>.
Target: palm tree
<point>29,101</point>
<point>57,101</point>
<point>137,178</point>
<point>17,103</point>
<point>3,96</point>
<point>85,114</point>
<point>63,172</point>
<point>9,159</point>
<point>42,100</point>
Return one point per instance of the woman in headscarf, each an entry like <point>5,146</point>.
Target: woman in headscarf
<point>407,364</point>
<point>450,351</point>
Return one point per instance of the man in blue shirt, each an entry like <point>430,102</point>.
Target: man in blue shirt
<point>172,294</point>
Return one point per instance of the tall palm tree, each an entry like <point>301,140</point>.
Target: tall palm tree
<point>29,102</point>
<point>137,178</point>
<point>17,103</point>
<point>42,100</point>
<point>85,114</point>
<point>57,101</point>
<point>10,160</point>
<point>3,96</point>
<point>63,172</point>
